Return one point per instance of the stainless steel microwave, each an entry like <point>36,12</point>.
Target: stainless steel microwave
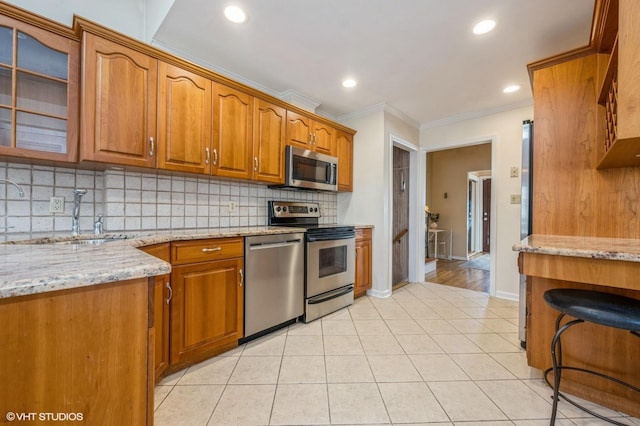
<point>306,169</point>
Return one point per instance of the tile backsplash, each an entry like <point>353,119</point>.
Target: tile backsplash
<point>134,201</point>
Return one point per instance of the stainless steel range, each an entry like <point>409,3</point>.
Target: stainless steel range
<point>329,257</point>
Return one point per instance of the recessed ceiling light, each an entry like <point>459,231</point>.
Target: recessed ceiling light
<point>349,82</point>
<point>511,89</point>
<point>235,14</point>
<point>484,27</point>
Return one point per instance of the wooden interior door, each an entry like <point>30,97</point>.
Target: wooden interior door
<point>486,215</point>
<point>400,249</point>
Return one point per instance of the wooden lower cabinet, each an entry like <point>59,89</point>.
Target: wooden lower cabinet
<point>364,250</point>
<point>207,310</point>
<point>83,352</point>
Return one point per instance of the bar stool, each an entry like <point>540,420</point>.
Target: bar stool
<point>591,306</point>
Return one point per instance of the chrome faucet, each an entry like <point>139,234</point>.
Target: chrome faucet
<point>75,222</point>
<point>20,191</point>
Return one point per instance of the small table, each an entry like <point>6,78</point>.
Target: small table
<point>436,237</point>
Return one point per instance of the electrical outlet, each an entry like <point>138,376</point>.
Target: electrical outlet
<point>516,199</point>
<point>514,172</point>
<point>233,206</point>
<point>56,205</point>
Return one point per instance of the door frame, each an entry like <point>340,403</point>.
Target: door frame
<point>416,212</point>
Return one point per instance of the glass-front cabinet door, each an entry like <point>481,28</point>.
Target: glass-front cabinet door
<point>38,92</point>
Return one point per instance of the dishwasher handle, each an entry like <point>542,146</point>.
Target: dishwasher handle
<point>262,246</point>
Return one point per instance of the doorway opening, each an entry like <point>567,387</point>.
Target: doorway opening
<point>479,213</point>
<point>400,226</point>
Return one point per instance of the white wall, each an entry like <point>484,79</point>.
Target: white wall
<point>370,202</point>
<point>505,131</point>
<point>125,16</point>
<point>155,12</point>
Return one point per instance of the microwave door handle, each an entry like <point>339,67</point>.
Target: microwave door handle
<point>333,173</point>
<point>329,173</point>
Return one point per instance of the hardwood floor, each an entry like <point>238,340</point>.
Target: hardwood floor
<point>450,273</point>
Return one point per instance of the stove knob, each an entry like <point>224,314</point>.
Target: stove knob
<point>278,209</point>
<point>284,209</point>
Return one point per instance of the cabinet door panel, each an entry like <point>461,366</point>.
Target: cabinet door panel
<point>268,142</point>
<point>184,120</point>
<point>344,148</point>
<point>207,310</point>
<point>119,100</point>
<point>232,132</point>
<point>298,130</point>
<point>324,139</point>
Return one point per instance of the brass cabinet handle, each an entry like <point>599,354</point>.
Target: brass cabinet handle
<point>215,157</point>
<point>208,250</point>
<point>314,140</point>
<point>168,285</point>
<point>152,147</point>
<point>241,277</point>
<point>207,156</point>
<point>255,164</point>
<point>310,138</point>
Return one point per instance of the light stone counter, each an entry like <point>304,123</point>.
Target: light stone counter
<point>33,263</point>
<point>624,249</point>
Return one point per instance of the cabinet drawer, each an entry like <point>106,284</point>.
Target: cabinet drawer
<point>204,250</point>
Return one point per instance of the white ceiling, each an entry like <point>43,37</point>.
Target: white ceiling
<point>416,56</point>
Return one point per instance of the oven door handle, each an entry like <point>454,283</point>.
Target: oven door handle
<point>315,301</point>
<point>345,236</point>
<point>262,246</point>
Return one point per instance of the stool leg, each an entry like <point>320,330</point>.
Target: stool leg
<point>556,360</point>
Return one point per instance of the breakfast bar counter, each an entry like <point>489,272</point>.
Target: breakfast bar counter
<point>604,264</point>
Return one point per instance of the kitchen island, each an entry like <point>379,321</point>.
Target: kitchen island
<point>605,264</point>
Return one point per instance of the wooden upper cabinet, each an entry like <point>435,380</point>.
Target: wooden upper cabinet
<point>232,133</point>
<point>184,120</point>
<point>118,104</point>
<point>39,80</point>
<point>269,126</point>
<point>324,138</point>
<point>304,132</point>
<point>344,148</point>
<point>619,97</point>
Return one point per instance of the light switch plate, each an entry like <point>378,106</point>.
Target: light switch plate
<point>516,199</point>
<point>233,206</point>
<point>514,172</point>
<point>56,205</point>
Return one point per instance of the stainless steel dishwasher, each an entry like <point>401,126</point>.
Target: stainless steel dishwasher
<point>274,281</point>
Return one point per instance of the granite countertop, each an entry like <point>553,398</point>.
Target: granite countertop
<point>38,263</point>
<point>625,249</point>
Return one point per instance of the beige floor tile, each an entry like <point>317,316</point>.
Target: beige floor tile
<point>159,394</point>
<point>465,401</point>
<point>348,369</point>
<point>393,368</point>
<point>450,312</point>
<point>362,301</point>
<point>301,404</point>
<point>437,367</point>
<point>507,313</point>
<point>339,315</point>
<point>356,403</point>
<point>516,363</point>
<point>342,345</point>
<point>253,370</point>
<point>338,328</point>
<point>499,325</point>
<point>302,369</point>
<point>422,312</point>
<point>527,405</point>
<point>301,329</point>
<point>381,345</point>
<point>481,367</point>
<point>469,326</point>
<point>268,345</point>
<point>244,405</point>
<point>493,343</point>
<point>411,402</point>
<point>456,344</point>
<point>214,371</point>
<point>478,312</point>
<point>364,313</point>
<point>404,326</point>
<point>303,345</point>
<point>545,422</point>
<point>436,326</point>
<point>371,327</point>
<point>172,379</point>
<point>418,344</point>
<point>188,405</point>
<point>393,312</point>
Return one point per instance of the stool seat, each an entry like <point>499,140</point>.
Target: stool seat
<point>595,306</point>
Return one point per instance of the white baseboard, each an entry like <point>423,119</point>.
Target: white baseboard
<point>381,294</point>
<point>508,296</point>
<point>430,266</point>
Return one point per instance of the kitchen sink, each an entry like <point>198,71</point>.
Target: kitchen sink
<point>93,241</point>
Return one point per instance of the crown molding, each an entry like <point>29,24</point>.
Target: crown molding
<point>475,114</point>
